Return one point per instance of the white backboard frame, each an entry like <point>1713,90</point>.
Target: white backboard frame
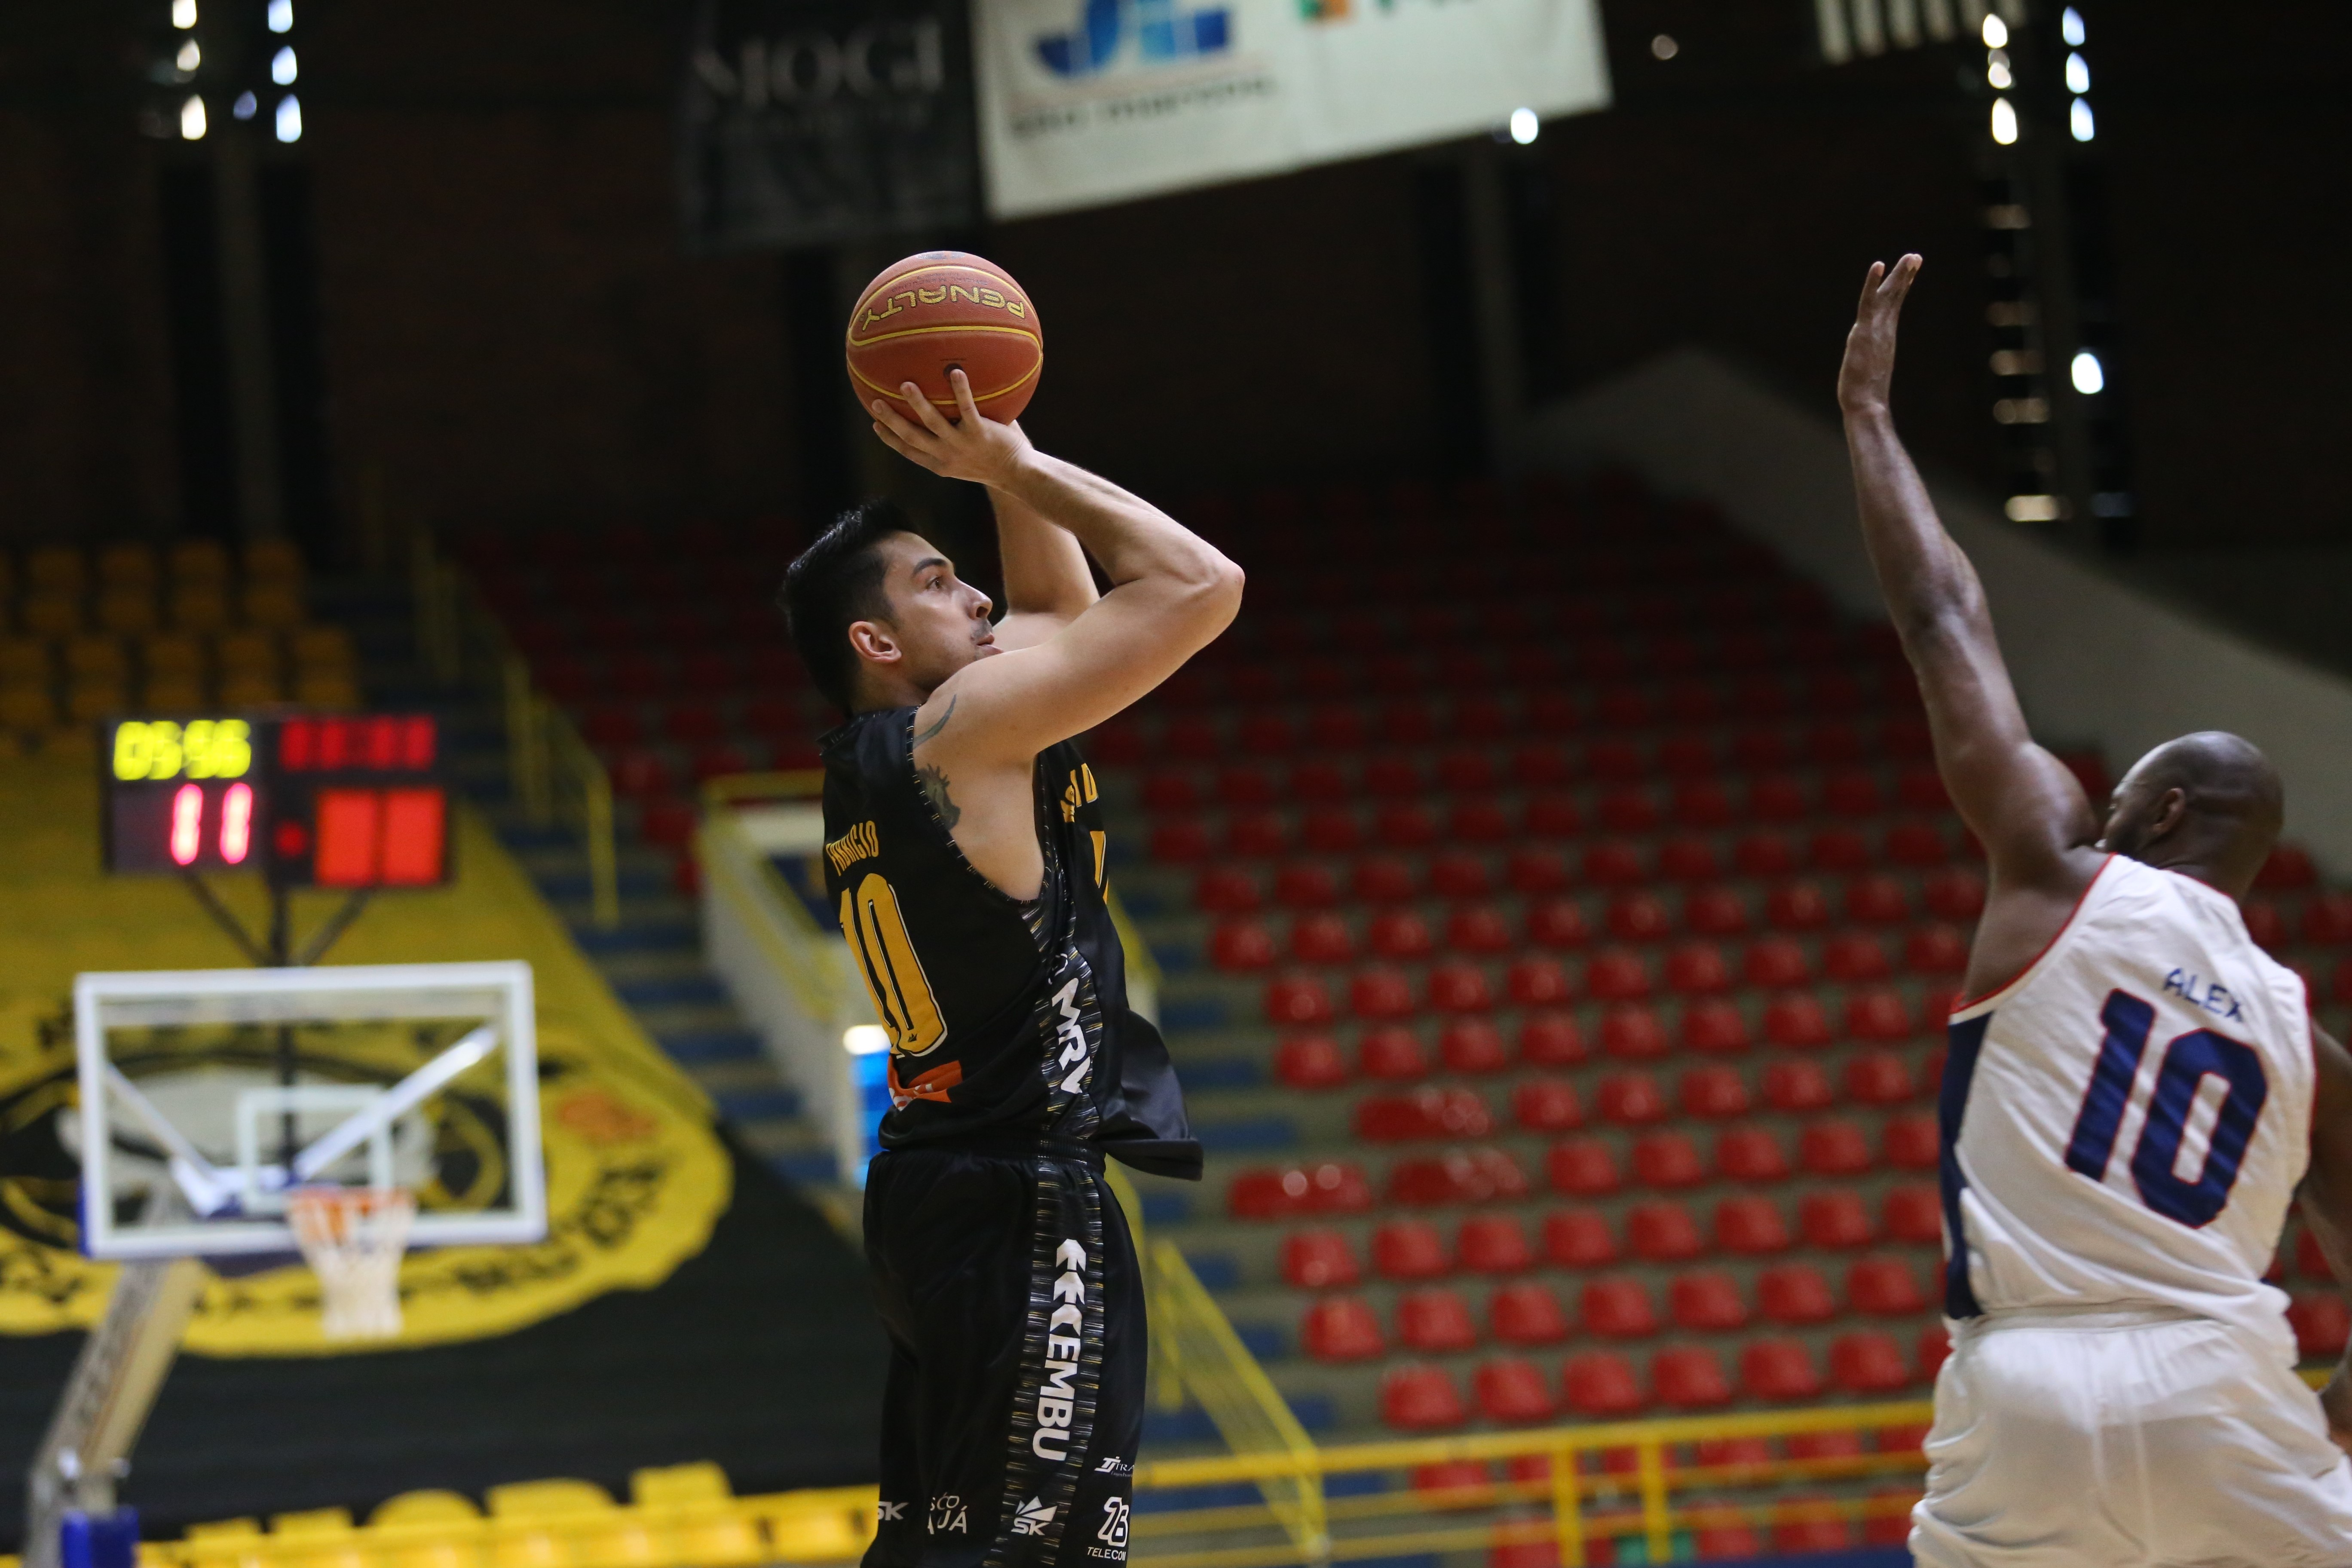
<point>501,993</point>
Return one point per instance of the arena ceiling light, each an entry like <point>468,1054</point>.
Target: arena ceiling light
<point>1848,28</point>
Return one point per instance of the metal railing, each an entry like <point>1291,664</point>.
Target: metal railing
<point>556,775</point>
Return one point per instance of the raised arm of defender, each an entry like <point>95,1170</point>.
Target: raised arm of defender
<point>2020,801</point>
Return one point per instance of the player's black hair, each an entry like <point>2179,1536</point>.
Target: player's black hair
<point>837,580</point>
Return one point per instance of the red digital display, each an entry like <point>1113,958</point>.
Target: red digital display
<point>380,837</point>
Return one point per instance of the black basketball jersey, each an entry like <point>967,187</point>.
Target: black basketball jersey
<point>1007,1020</point>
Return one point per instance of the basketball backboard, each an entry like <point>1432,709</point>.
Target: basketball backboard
<point>233,1086</point>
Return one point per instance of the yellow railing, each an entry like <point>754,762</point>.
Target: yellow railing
<point>729,857</point>
<point>555,774</point>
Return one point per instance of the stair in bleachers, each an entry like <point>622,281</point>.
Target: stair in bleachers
<point>653,959</point>
<point>1558,907</point>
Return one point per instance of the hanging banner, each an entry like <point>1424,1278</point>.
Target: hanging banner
<point>1085,101</point>
<point>808,122</point>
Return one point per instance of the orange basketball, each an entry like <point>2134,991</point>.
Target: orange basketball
<point>935,313</point>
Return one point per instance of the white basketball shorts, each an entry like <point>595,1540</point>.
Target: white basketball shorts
<point>2127,1441</point>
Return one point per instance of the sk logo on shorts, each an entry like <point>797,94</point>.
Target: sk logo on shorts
<point>1032,1516</point>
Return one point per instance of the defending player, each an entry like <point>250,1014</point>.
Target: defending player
<point>966,856</point>
<point>2131,1095</point>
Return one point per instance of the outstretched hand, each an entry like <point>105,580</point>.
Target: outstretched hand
<point>1869,368</point>
<point>971,446</point>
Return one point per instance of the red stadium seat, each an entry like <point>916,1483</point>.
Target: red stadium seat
<point>1760,749</point>
<point>1578,1238</point>
<point>1306,887</point>
<point>1775,963</point>
<point>1830,1532</point>
<point>1553,816</point>
<point>1318,1259</point>
<point>1777,798</point>
<point>1717,1027</point>
<point>1935,950</point>
<point>1877,1015</point>
<point>1538,982</point>
<point>1630,1099</point>
<point>1749,1154</point>
<point>1851,793</point>
<point>1796,906</point>
<point>1615,760</point>
<point>1462,1176</point>
<point>1834,1219</point>
<point>1546,1105</point>
<point>1392,1054</point>
<point>1466,772</point>
<point>1317,781</point>
<point>1713,1092</point>
<point>1477,927</point>
<point>1526,1314</point>
<point>1780,1371</point>
<point>1241,944</point>
<point>2289,867</point>
<point>1395,777</point>
<point>1330,830</point>
<point>1256,833</point>
<point>1268,734</point>
<point>1540,766</point>
<point>1459,876</point>
<point>1921,789</point>
<point>1794,1019</point>
<point>2321,1324</point>
<point>1397,933</point>
<point>1833,1148</point>
<point>1297,999</point>
<point>1687,859</point>
<point>1493,1244</point>
<point>1638,917</point>
<point>1662,1233</point>
<point>1764,854</point>
<point>1630,811</point>
<point>1823,1445</point>
<point>1410,1249</point>
<point>1913,1214</point>
<point>1434,1320</point>
<point>1616,1309</point>
<point>1382,879</point>
<point>1246,786</point>
<point>1341,1328</point>
<point>1403,825</point>
<point>1714,911</point>
<point>1556,923</point>
<point>2265,924</point>
<point>1707,1302</point>
<point>1322,939</point>
<point>1702,803</point>
<point>2310,1259</point>
<point>1689,1378</point>
<point>1310,1061</point>
<point>1264,1192</point>
<point>1613,863</point>
<point>1696,969</point>
<point>1839,850</point>
<point>1957,896</point>
<point>1600,1386</point>
<point>1912,1143</point>
<point>1457,987</point>
<point>1854,955</point>
<point>1424,1113</point>
<point>1751,1227</point>
<point>1617,975</point>
<point>1550,1039</point>
<point>1472,1046</point>
<point>1869,1364</point>
<point>1877,901</point>
<point>1379,992</point>
<point>1877,1078</point>
<point>1935,1349</point>
<point>1796,1086</point>
<point>1583,1167</point>
<point>1915,844</point>
<point>2327,920</point>
<point>1795,1294</point>
<point>1420,1399</point>
<point>1535,871</point>
<point>1511,1390</point>
<point>1884,1287</point>
<point>1632,1034</point>
<point>1335,728</point>
<point>1668,1159</point>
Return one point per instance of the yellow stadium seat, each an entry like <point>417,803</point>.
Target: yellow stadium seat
<point>548,1499</point>
<point>568,1522</point>
<point>317,1538</point>
<point>127,565</point>
<point>27,708</point>
<point>246,653</point>
<point>172,694</point>
<point>323,647</point>
<point>23,661</point>
<point>96,659</point>
<point>226,1543</point>
<point>272,604</point>
<point>96,697</point>
<point>273,561</point>
<point>428,1530</point>
<point>172,653</point>
<point>817,1533</point>
<point>425,1507</point>
<point>128,609</point>
<point>56,569</point>
<point>690,1501</point>
<point>250,689</point>
<point>673,1484</point>
<point>325,688</point>
<point>199,606</point>
<point>199,561</point>
<point>53,614</point>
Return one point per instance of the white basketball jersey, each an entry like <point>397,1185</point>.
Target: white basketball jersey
<point>2124,1124</point>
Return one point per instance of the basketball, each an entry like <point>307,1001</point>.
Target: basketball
<point>936,312</point>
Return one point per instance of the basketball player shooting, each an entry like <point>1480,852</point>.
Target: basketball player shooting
<point>2133,1093</point>
<point>966,854</point>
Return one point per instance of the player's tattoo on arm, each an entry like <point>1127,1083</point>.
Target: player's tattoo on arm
<point>934,790</point>
<point>937,724</point>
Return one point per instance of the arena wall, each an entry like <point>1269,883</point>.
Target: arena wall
<point>2095,661</point>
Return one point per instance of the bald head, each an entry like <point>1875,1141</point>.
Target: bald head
<point>2210,805</point>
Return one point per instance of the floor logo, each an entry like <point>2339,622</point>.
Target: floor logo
<point>1163,33</point>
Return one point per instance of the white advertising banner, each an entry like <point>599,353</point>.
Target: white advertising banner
<point>1086,102</point>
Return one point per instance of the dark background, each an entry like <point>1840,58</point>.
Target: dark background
<point>510,332</point>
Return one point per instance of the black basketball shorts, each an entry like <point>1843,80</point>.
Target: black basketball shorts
<point>1014,1305</point>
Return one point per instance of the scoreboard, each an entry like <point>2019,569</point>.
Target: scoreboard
<point>310,800</point>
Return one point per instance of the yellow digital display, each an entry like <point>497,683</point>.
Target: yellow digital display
<point>200,749</point>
